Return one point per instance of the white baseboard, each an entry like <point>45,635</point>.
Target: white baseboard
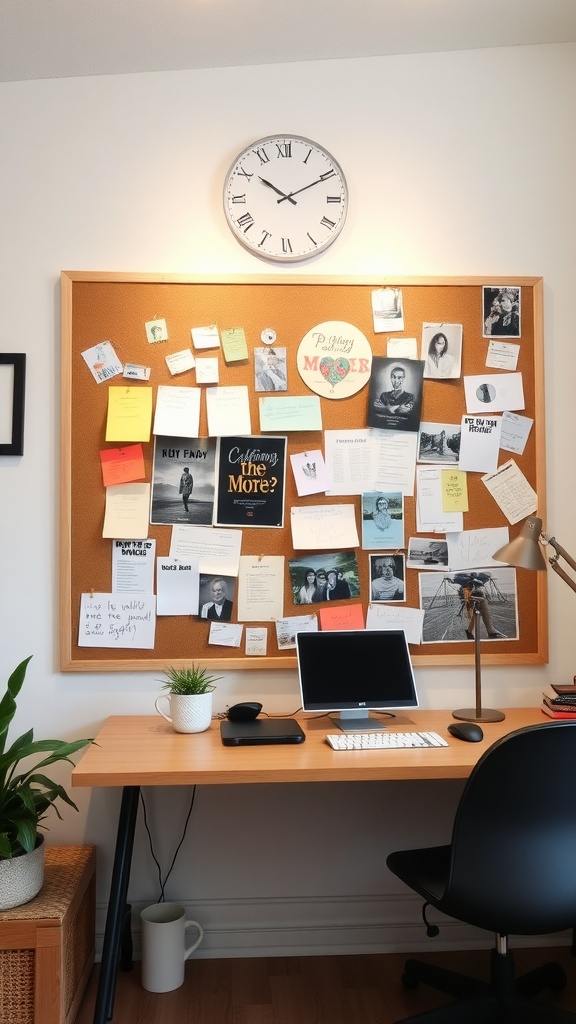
<point>318,926</point>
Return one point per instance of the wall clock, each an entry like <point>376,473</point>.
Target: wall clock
<point>285,198</point>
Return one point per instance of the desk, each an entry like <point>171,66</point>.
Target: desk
<point>134,751</point>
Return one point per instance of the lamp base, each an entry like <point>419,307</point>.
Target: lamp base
<point>478,715</point>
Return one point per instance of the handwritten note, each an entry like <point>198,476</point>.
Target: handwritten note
<point>454,490</point>
<point>323,527</point>
<point>122,465</point>
<point>129,414</point>
<point>474,548</point>
<point>117,620</point>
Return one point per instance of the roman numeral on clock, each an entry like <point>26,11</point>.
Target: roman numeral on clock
<point>333,199</point>
<point>328,223</point>
<point>286,246</point>
<point>265,235</point>
<point>262,155</point>
<point>245,222</point>
<point>239,199</point>
<point>284,149</point>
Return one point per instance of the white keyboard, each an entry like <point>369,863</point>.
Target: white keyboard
<point>384,740</point>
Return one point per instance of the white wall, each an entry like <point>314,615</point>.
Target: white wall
<point>457,164</point>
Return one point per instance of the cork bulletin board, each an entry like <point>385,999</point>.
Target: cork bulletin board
<point>98,306</point>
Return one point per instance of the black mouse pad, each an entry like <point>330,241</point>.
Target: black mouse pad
<point>261,730</point>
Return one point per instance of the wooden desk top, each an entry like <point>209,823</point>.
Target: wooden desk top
<point>142,750</point>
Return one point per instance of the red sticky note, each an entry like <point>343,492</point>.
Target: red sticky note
<point>349,616</point>
<point>122,465</point>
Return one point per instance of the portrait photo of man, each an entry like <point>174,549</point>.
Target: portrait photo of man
<point>214,601</point>
<point>395,396</point>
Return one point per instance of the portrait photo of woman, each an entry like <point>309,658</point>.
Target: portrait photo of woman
<point>442,350</point>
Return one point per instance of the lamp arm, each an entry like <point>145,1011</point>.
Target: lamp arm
<point>560,552</point>
<point>561,572</point>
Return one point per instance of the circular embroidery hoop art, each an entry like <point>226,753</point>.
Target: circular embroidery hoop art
<point>334,359</point>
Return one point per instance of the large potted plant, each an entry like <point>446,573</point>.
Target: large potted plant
<point>26,795</point>
<point>189,696</point>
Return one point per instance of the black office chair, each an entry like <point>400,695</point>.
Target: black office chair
<point>510,868</point>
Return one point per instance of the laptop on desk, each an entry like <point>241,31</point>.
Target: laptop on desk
<point>261,730</point>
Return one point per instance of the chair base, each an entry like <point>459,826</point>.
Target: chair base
<point>504,1000</point>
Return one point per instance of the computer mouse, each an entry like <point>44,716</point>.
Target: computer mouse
<point>468,731</point>
<point>244,712</point>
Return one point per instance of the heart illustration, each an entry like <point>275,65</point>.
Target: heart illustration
<point>334,370</point>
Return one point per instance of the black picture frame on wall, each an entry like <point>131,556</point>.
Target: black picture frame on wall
<point>12,390</point>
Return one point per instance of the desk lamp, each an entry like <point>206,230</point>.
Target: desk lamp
<point>478,713</point>
<point>525,551</point>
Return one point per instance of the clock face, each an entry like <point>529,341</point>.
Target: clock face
<point>285,198</point>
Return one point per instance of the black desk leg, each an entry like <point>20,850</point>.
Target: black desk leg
<point>117,904</point>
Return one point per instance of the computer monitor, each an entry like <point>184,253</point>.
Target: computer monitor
<point>353,672</point>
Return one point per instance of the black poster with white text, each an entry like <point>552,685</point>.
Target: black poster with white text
<point>250,475</point>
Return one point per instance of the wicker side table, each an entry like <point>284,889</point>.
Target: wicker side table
<point>47,945</point>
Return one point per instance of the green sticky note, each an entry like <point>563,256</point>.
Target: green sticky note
<point>234,345</point>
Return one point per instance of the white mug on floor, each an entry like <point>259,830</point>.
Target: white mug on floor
<point>163,946</point>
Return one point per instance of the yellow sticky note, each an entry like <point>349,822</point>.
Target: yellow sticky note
<point>129,414</point>
<point>454,490</point>
<point>234,345</point>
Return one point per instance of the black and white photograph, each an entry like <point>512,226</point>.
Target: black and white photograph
<point>427,553</point>
<point>442,350</point>
<point>449,601</point>
<point>387,575</point>
<point>395,394</point>
<point>183,481</point>
<point>216,597</point>
<point>501,312</point>
<point>270,371</point>
<point>326,577</point>
<point>439,443</point>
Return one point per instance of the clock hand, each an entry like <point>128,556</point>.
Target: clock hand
<point>277,190</point>
<point>322,177</point>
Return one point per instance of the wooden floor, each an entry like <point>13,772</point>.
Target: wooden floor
<point>303,990</point>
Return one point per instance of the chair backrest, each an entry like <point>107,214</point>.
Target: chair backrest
<point>513,862</point>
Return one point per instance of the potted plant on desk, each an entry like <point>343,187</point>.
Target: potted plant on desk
<point>189,697</point>
<point>25,798</point>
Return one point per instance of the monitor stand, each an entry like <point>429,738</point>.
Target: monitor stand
<point>357,720</point>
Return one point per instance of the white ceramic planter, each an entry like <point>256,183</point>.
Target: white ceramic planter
<point>191,713</point>
<point>21,877</point>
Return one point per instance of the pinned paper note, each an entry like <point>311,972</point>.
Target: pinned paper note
<point>205,337</point>
<point>122,465</point>
<point>177,412</point>
<point>207,370</point>
<point>117,620</point>
<point>129,414</point>
<point>102,361</point>
<point>454,490</point>
<point>234,345</point>
<point>179,362</point>
<point>156,330</point>
<point>127,510</point>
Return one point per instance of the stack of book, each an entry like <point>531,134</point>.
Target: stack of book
<point>561,703</point>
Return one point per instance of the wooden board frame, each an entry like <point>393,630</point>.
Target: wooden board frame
<point>98,306</point>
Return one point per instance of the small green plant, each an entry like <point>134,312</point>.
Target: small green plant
<point>25,798</point>
<point>185,682</point>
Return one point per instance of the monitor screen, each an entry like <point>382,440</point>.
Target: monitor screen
<point>355,671</point>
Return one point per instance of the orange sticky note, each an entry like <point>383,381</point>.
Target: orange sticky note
<point>349,616</point>
<point>122,465</point>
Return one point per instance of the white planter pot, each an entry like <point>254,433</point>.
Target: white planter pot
<point>191,713</point>
<point>21,877</point>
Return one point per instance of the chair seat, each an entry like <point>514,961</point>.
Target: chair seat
<point>425,871</point>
